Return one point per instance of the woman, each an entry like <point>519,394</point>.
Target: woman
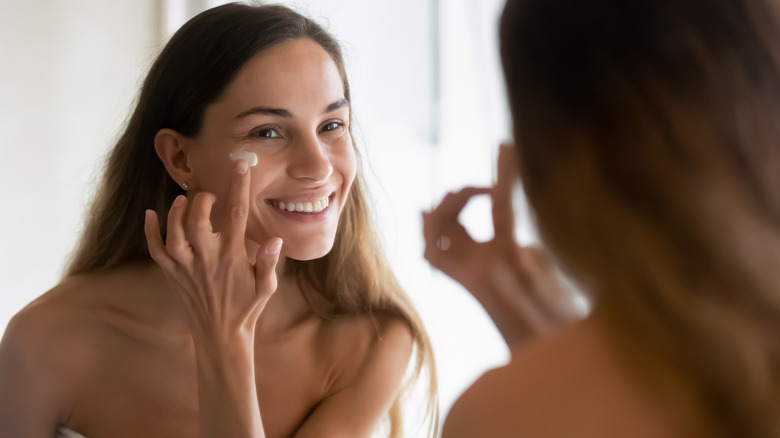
<point>269,309</point>
<point>647,144</point>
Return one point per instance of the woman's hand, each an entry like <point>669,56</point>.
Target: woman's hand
<point>223,293</point>
<point>221,290</point>
<point>516,285</point>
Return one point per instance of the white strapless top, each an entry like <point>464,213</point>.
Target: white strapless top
<point>64,432</point>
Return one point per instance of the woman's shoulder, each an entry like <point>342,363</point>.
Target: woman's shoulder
<point>48,321</point>
<point>42,353</point>
<point>358,335</point>
<point>61,321</point>
<point>571,384</point>
<point>379,343</point>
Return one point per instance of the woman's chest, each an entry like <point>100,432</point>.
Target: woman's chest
<point>150,390</point>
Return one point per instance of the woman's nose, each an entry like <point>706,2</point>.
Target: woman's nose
<point>310,160</point>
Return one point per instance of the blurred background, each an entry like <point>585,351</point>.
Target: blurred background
<point>428,103</point>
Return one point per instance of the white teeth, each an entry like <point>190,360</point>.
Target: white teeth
<point>304,207</point>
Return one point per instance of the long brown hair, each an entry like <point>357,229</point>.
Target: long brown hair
<point>193,69</point>
<point>648,137</point>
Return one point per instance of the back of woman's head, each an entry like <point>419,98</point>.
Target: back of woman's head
<point>649,147</point>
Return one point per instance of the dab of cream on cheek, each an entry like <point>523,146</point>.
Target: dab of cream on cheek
<point>249,157</point>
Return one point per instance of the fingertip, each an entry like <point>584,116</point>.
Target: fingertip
<point>274,246</point>
<point>242,166</point>
<point>153,239</point>
<point>179,201</point>
<point>150,221</point>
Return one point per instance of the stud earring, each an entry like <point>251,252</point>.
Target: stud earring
<point>185,186</point>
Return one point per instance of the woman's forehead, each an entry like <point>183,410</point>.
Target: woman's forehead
<point>297,72</point>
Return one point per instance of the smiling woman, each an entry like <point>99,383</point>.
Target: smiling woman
<point>259,303</point>
<point>287,106</point>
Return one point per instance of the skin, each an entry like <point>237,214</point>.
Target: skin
<point>566,385</point>
<point>564,372</point>
<point>209,340</point>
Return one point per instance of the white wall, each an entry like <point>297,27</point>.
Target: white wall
<point>69,71</point>
<point>427,95</point>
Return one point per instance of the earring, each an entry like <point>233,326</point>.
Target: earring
<point>185,186</point>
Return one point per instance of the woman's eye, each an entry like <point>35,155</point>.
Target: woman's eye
<point>332,126</point>
<point>266,133</point>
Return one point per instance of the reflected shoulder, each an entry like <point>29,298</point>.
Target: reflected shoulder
<point>572,384</point>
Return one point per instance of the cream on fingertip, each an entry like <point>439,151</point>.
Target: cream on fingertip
<point>249,157</point>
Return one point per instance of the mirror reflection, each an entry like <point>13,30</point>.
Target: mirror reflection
<point>80,72</point>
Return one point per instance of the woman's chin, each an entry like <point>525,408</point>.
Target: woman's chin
<point>308,253</point>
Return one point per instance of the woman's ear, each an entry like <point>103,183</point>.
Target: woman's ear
<point>173,150</point>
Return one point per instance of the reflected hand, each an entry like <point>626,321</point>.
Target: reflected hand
<point>221,290</point>
<point>516,284</point>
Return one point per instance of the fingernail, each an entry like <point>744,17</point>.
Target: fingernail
<point>179,201</point>
<point>241,166</point>
<point>443,243</point>
<point>274,247</point>
<point>149,218</point>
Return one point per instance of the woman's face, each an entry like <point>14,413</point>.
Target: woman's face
<point>287,106</point>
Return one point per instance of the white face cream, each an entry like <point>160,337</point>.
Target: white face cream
<point>249,157</point>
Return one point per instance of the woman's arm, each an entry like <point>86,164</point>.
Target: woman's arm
<point>226,389</point>
<point>224,294</point>
<point>355,409</point>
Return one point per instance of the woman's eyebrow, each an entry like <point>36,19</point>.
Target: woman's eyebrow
<point>341,103</point>
<point>265,111</point>
<point>281,112</point>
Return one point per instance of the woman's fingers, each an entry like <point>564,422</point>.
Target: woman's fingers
<point>441,228</point>
<point>265,268</point>
<point>175,240</point>
<point>503,213</point>
<point>154,241</point>
<point>452,204</point>
<point>200,233</point>
<point>234,222</point>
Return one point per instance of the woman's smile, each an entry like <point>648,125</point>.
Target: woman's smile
<point>290,99</point>
<point>296,208</point>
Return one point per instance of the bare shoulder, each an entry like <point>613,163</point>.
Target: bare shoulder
<point>62,328</point>
<point>375,340</point>
<point>510,401</point>
<point>47,327</point>
<point>570,385</point>
<point>41,359</point>
<point>46,318</point>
